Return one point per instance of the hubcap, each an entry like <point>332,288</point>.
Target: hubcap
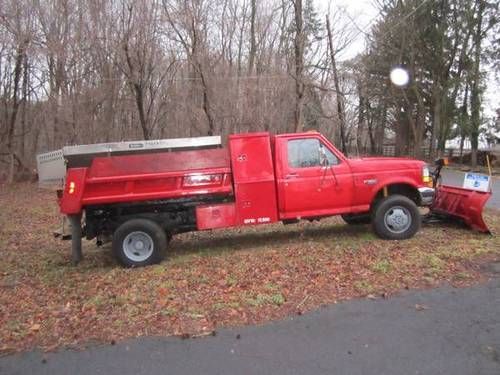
<point>397,219</point>
<point>138,246</point>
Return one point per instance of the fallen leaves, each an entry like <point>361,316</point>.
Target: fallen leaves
<point>210,279</point>
<point>35,328</point>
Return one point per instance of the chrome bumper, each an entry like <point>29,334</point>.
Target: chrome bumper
<point>426,195</point>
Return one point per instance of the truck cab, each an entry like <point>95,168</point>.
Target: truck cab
<point>314,179</point>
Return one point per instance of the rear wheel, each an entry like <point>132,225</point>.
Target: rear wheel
<point>396,218</point>
<point>139,242</point>
<point>357,219</point>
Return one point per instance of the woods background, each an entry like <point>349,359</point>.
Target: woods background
<point>87,71</point>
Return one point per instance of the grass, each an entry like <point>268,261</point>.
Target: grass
<point>382,266</point>
<point>363,287</point>
<point>266,299</point>
<point>209,279</point>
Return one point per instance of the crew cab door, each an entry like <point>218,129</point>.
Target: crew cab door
<point>313,178</point>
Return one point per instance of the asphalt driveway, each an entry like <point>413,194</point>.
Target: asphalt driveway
<point>440,331</point>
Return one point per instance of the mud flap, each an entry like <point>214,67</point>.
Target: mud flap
<point>466,205</point>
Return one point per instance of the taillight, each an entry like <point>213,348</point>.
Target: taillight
<point>71,187</point>
<point>202,180</point>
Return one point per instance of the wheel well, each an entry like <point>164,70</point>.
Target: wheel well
<point>402,189</point>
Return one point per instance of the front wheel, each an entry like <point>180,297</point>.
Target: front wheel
<point>139,242</point>
<point>396,218</point>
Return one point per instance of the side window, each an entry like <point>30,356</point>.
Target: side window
<point>309,152</point>
<point>303,153</point>
<point>332,159</point>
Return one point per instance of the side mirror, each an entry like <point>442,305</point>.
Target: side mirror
<point>323,159</point>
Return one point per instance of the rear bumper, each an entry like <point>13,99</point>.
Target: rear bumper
<point>426,195</point>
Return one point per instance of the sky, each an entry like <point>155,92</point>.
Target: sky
<point>364,14</point>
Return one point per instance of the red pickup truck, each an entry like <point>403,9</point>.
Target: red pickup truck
<point>141,199</point>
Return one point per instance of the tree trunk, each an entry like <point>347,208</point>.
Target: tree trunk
<point>139,100</point>
<point>340,97</point>
<point>436,120</point>
<point>380,130</point>
<point>361,119</point>
<point>253,43</point>
<point>419,127</point>
<point>299,67</point>
<point>24,115</point>
<point>15,108</point>
<point>463,122</point>
<point>206,102</point>
<point>475,89</point>
<point>402,132</point>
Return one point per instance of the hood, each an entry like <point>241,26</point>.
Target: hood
<point>373,164</point>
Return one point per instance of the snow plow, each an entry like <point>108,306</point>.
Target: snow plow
<point>465,204</point>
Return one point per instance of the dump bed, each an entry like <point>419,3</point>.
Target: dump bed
<point>153,176</point>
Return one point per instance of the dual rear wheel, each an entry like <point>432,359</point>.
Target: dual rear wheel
<point>139,242</point>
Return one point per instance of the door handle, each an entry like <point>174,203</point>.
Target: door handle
<point>291,175</point>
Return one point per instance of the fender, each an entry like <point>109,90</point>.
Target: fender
<point>391,181</point>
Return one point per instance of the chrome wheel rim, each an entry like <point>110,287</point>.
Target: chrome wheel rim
<point>397,219</point>
<point>138,246</point>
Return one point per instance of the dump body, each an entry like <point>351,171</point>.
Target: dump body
<point>156,176</point>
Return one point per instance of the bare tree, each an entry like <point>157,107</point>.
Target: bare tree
<point>144,66</point>
<point>340,97</point>
<point>174,68</point>
<point>299,66</point>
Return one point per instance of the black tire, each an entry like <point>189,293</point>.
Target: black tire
<point>357,219</point>
<point>396,218</point>
<point>169,237</point>
<point>139,242</point>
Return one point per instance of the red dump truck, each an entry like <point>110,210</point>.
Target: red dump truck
<point>139,194</point>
